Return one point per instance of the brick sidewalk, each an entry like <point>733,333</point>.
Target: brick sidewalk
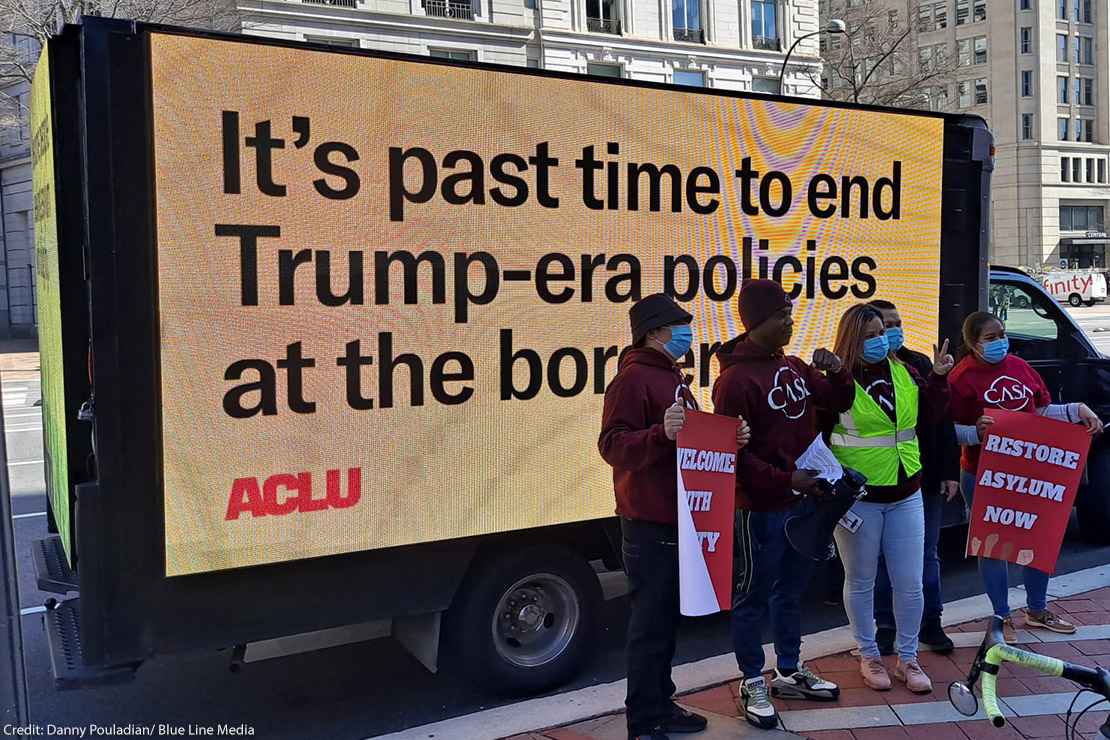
<point>1035,705</point>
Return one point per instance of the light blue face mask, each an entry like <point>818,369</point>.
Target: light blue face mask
<point>875,349</point>
<point>682,337</point>
<point>995,350</point>
<point>895,338</point>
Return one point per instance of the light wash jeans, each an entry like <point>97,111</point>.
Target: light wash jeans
<point>995,573</point>
<point>897,531</point>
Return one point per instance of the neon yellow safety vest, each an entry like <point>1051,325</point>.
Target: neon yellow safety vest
<point>867,440</point>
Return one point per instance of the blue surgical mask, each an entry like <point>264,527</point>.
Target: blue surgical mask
<point>995,350</point>
<point>895,338</point>
<point>875,349</point>
<point>681,339</point>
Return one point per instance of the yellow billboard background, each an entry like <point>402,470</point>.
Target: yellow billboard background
<point>442,471</point>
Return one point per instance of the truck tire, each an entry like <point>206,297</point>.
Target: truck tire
<point>1093,508</point>
<point>1075,300</point>
<point>524,621</point>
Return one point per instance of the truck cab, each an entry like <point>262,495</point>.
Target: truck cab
<point>1044,335</point>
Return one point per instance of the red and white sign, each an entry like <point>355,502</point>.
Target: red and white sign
<point>706,507</point>
<point>1030,468</point>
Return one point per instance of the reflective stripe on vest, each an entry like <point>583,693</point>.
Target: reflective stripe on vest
<point>866,439</point>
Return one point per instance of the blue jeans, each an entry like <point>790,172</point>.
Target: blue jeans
<point>933,503</point>
<point>897,531</point>
<point>995,573</point>
<point>768,574</point>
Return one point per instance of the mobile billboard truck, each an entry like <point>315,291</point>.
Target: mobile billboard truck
<point>346,323</point>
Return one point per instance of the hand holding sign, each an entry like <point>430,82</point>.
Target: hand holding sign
<point>1089,419</point>
<point>673,420</point>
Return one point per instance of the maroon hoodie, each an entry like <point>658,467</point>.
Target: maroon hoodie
<point>778,396</point>
<point>632,438</point>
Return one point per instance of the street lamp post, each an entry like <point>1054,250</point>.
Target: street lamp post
<point>835,26</point>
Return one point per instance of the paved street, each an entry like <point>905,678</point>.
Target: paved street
<point>1096,322</point>
<point>355,691</point>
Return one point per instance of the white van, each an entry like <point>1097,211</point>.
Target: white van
<point>1076,287</point>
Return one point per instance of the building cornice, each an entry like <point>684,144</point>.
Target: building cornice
<point>654,46</point>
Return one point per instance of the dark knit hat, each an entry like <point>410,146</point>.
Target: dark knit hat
<point>759,301</point>
<point>653,312</point>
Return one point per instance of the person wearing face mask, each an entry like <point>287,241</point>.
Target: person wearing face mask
<point>940,472</point>
<point>877,436</point>
<point>989,377</point>
<point>645,408</point>
<point>778,394</point>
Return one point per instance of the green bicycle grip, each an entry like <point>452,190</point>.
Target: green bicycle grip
<point>995,656</point>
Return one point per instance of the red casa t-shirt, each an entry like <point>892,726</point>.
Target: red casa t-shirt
<point>976,387</point>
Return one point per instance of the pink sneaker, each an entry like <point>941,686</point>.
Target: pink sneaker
<point>874,674</point>
<point>915,678</point>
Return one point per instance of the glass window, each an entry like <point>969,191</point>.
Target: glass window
<point>940,14</point>
<point>1088,91</point>
<point>963,46</point>
<point>459,55</point>
<point>1078,8</point>
<point>1062,90</point>
<point>1026,83</point>
<point>1087,126</point>
<point>1026,126</point>
<point>600,69</point>
<point>1026,40</point>
<point>980,91</point>
<point>924,18</point>
<point>603,16</point>
<point>765,27</point>
<point>1076,169</point>
<point>979,10</point>
<point>939,99</point>
<point>1062,9</point>
<point>1090,170</point>
<point>1030,321</point>
<point>1061,48</point>
<point>534,63</point>
<point>1078,50</point>
<point>1025,4</point>
<point>1088,50</point>
<point>1087,11</point>
<point>964,89</point>
<point>1081,218</point>
<point>1102,170</point>
<point>686,16</point>
<point>693,78</point>
<point>333,40</point>
<point>1078,91</point>
<point>1062,129</point>
<point>962,12</point>
<point>530,4</point>
<point>765,85</point>
<point>980,49</point>
<point>1065,169</point>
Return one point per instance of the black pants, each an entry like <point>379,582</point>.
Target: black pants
<point>651,564</point>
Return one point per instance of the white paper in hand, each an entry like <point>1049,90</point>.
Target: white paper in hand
<point>820,458</point>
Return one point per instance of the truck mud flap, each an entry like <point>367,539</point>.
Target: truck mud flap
<point>52,572</point>
<point>63,637</point>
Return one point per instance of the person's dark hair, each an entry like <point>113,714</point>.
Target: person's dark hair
<point>882,305</point>
<point>973,329</point>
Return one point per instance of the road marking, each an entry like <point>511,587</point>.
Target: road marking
<point>32,610</point>
<point>594,701</point>
<point>23,429</point>
<point>26,462</point>
<point>28,516</point>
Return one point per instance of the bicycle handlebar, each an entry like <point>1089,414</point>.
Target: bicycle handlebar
<point>994,651</point>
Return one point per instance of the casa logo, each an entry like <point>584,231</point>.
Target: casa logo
<point>883,391</point>
<point>1009,394</point>
<point>789,393</point>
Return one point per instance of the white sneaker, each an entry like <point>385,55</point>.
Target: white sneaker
<point>755,702</point>
<point>803,684</point>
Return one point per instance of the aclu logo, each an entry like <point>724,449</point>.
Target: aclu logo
<point>789,393</point>
<point>1009,394</point>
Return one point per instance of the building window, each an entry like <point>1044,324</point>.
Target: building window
<point>1027,40</point>
<point>964,90</point>
<point>979,11</point>
<point>1062,90</point>
<point>1077,9</point>
<point>1078,91</point>
<point>1026,83</point>
<point>691,77</point>
<point>765,25</point>
<point>1065,169</point>
<point>530,4</point>
<point>765,85</point>
<point>1102,170</point>
<point>1061,48</point>
<point>603,16</point>
<point>1087,11</point>
<point>459,55</point>
<point>1081,218</point>
<point>980,91</point>
<point>962,12</point>
<point>686,15</point>
<point>938,101</point>
<point>602,69</point>
<point>1076,169</point>
<point>533,63</point>
<point>1088,49</point>
<point>1085,129</point>
<point>1025,4</point>
<point>1062,9</point>
<point>972,51</point>
<point>333,40</point>
<point>460,9</point>
<point>980,49</point>
<point>1026,126</point>
<point>1062,129</point>
<point>1090,170</point>
<point>1088,91</point>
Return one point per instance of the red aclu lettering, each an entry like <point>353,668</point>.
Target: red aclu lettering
<point>285,493</point>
